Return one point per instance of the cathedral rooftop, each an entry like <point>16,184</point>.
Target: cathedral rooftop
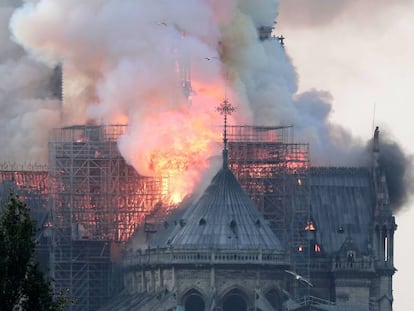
<point>342,206</point>
<point>223,218</point>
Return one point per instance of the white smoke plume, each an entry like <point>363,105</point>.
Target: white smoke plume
<point>129,61</point>
<point>28,109</point>
<point>266,78</point>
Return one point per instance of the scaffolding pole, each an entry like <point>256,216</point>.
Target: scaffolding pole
<point>97,199</point>
<point>274,171</point>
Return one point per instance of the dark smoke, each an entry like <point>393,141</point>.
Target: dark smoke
<point>399,172</point>
<point>330,143</point>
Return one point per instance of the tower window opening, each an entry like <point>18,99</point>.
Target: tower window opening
<point>194,301</point>
<point>350,255</point>
<point>234,301</point>
<point>233,225</point>
<point>386,249</point>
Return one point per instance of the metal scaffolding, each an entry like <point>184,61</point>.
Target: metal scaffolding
<point>97,200</point>
<point>275,173</point>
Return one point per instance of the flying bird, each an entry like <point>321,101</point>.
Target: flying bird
<point>210,58</point>
<point>299,278</point>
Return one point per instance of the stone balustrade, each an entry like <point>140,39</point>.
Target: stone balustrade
<point>174,256</point>
<point>362,264</point>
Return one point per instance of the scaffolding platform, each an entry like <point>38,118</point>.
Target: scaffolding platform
<point>97,199</point>
<point>275,173</point>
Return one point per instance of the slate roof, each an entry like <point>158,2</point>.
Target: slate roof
<point>342,204</point>
<point>223,218</point>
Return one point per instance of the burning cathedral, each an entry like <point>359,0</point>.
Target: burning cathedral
<point>123,226</point>
<point>270,232</point>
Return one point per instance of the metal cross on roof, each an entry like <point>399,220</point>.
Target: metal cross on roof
<point>225,109</point>
<point>281,40</point>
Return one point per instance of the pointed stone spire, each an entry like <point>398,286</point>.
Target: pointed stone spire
<point>225,109</point>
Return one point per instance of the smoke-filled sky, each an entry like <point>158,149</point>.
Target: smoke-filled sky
<point>130,61</point>
<point>26,102</point>
<point>361,51</point>
<point>134,72</point>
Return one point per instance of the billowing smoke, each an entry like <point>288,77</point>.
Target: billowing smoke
<point>28,106</point>
<point>164,66</point>
<point>265,78</point>
<point>134,72</point>
<point>398,169</point>
<point>130,62</point>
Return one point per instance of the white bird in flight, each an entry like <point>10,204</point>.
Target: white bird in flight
<point>299,278</point>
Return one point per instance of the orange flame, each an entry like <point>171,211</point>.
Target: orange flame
<point>181,155</point>
<point>310,226</point>
<point>176,144</point>
<point>296,162</point>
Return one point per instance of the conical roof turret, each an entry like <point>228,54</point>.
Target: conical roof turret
<point>223,218</point>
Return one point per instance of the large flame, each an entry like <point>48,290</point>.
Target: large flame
<point>176,143</point>
<point>181,151</point>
